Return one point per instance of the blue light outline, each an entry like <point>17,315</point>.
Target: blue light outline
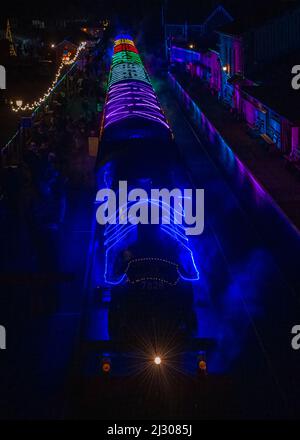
<point>169,229</point>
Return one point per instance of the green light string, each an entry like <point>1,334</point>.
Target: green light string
<point>126,57</point>
<point>126,66</point>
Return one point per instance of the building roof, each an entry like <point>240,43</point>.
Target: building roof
<point>283,100</point>
<point>238,79</point>
<point>64,42</point>
<point>274,88</point>
<point>251,14</point>
<point>194,13</point>
<point>72,36</point>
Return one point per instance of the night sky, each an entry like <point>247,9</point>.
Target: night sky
<point>136,9</point>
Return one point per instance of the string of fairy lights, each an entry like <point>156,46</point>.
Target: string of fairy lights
<point>19,104</point>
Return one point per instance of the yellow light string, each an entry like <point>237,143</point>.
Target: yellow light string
<point>152,278</point>
<point>51,88</point>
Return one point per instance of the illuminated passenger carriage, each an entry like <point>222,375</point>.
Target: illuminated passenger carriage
<point>143,274</point>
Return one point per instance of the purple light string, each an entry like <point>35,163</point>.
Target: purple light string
<point>130,94</point>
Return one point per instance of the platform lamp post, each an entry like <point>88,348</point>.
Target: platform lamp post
<point>19,144</point>
<point>25,125</point>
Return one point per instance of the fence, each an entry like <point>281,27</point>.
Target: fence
<point>254,199</point>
